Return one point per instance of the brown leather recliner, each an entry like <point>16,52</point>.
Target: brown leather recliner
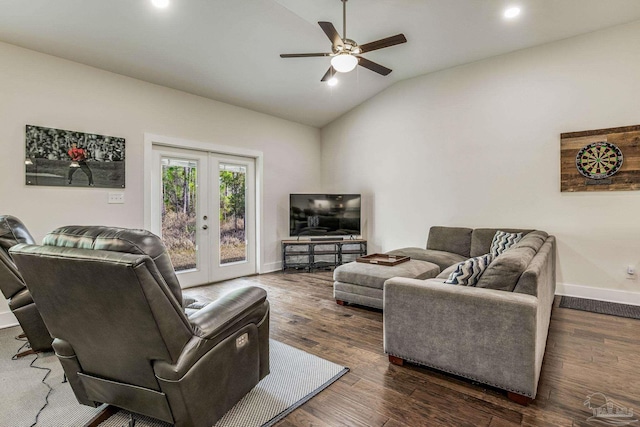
<point>12,232</point>
<point>123,337</point>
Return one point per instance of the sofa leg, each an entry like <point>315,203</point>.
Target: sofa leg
<point>519,399</point>
<point>396,360</point>
<point>340,302</point>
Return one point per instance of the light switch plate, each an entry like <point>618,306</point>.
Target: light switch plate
<point>116,197</point>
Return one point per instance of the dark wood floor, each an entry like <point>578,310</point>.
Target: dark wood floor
<point>586,353</point>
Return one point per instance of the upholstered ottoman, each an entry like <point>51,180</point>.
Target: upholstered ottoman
<point>362,283</point>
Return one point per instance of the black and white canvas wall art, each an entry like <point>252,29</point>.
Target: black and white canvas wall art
<point>57,157</point>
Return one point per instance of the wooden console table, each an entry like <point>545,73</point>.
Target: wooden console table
<point>313,254</point>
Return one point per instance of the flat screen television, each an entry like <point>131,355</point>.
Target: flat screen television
<point>324,214</point>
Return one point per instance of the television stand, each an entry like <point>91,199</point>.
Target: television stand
<point>325,238</point>
<point>310,255</point>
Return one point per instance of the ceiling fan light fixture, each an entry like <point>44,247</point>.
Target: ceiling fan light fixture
<point>344,62</point>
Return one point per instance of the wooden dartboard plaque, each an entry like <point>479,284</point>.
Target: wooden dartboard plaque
<point>600,160</point>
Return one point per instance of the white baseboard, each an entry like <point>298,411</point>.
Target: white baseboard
<point>7,320</point>
<point>601,294</point>
<point>271,267</point>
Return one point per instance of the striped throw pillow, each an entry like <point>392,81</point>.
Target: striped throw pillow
<point>503,241</point>
<point>467,273</point>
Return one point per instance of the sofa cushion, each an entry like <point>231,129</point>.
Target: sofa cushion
<point>441,258</point>
<point>374,275</point>
<point>503,240</point>
<point>450,239</point>
<point>444,274</point>
<point>467,273</point>
<point>505,270</point>
<point>539,277</point>
<point>533,240</point>
<point>482,237</point>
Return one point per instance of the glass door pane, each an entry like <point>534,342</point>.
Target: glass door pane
<point>179,200</point>
<point>233,244</point>
<point>233,240</point>
<point>178,210</point>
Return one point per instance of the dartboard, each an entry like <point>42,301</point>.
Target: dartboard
<point>599,160</point>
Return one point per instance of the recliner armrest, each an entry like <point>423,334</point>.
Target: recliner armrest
<point>21,299</point>
<point>213,324</point>
<point>225,311</point>
<point>191,305</point>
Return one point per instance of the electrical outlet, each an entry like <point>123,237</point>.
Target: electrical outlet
<point>116,198</point>
<point>631,272</point>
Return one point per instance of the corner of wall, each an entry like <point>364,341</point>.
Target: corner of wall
<point>600,294</point>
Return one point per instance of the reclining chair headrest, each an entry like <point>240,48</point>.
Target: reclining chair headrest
<point>117,239</point>
<point>12,232</point>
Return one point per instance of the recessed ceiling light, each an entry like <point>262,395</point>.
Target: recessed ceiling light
<point>160,3</point>
<point>332,81</point>
<point>512,12</point>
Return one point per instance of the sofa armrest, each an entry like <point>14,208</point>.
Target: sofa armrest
<point>482,334</point>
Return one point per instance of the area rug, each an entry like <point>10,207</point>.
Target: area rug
<point>33,394</point>
<point>602,307</point>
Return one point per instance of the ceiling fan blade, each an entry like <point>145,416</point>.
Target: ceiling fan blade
<point>382,43</point>
<point>373,66</point>
<point>331,32</point>
<point>330,73</point>
<point>302,55</point>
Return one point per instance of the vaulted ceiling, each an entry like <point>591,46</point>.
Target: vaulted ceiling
<point>229,50</point>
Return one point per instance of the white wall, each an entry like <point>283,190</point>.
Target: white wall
<point>42,90</point>
<point>479,145</point>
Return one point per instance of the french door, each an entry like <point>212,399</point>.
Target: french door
<point>203,207</point>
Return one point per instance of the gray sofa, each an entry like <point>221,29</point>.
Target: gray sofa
<point>494,333</point>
